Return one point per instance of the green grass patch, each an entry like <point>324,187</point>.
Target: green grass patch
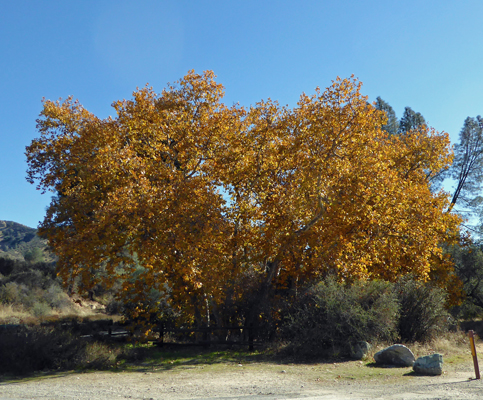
<point>48,352</point>
<point>134,357</point>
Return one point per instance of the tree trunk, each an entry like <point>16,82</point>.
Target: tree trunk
<point>264,293</point>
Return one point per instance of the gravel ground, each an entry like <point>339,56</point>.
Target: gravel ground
<point>242,382</point>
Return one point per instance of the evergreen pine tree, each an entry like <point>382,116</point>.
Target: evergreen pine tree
<point>467,167</point>
<point>410,120</point>
<point>392,124</point>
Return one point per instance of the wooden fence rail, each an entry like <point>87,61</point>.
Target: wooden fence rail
<point>207,333</point>
<point>109,330</point>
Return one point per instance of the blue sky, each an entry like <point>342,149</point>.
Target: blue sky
<point>424,54</point>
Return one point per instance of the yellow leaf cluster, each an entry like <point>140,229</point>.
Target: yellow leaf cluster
<point>214,201</point>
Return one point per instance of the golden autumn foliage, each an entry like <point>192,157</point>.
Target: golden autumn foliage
<point>181,191</point>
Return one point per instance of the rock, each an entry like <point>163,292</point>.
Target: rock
<point>429,365</point>
<point>397,355</point>
<point>359,350</point>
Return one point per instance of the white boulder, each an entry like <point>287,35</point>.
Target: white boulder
<point>429,365</point>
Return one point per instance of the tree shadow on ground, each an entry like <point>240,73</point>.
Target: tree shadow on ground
<point>384,366</point>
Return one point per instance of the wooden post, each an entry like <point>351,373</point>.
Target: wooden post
<point>471,334</point>
<point>161,335</point>
<point>206,335</point>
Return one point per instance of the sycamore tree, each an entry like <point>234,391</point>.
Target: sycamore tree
<point>224,205</point>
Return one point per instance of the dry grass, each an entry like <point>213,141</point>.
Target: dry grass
<point>17,314</point>
<point>449,344</point>
<point>453,346</point>
<point>10,314</point>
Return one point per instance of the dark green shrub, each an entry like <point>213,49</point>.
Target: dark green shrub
<point>134,354</point>
<point>24,350</point>
<point>57,298</point>
<point>6,266</point>
<point>422,310</point>
<point>33,287</point>
<point>34,255</point>
<point>331,315</point>
<point>466,311</point>
<point>10,293</point>
<point>41,309</point>
<point>97,356</point>
<point>469,268</point>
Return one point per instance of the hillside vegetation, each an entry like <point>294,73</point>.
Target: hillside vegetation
<point>29,286</point>
<point>19,242</point>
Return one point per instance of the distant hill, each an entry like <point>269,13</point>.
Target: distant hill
<point>20,242</point>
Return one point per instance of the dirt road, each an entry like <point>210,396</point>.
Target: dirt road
<point>248,382</point>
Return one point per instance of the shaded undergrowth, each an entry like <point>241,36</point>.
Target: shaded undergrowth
<point>34,350</point>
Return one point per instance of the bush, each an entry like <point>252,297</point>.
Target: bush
<point>25,350</point>
<point>29,349</point>
<point>41,309</point>
<point>422,310</point>
<point>467,311</point>
<point>33,287</point>
<point>10,293</point>
<point>34,255</point>
<point>134,354</point>
<point>97,356</point>
<point>331,316</point>
<point>7,265</point>
<point>57,298</point>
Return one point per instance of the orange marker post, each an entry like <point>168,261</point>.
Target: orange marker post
<point>471,334</point>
